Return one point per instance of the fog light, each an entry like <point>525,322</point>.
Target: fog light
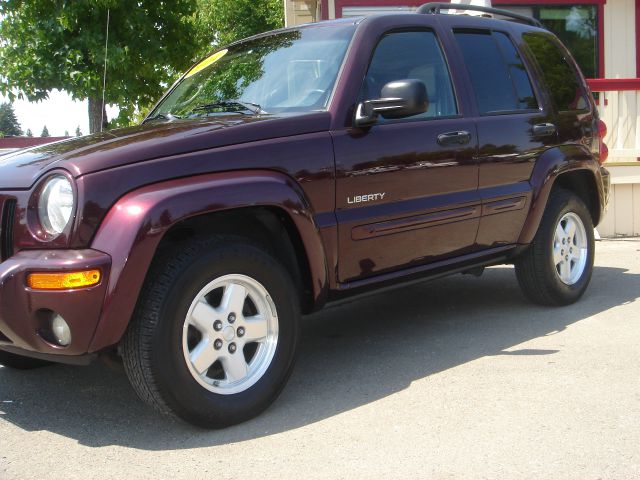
<point>61,331</point>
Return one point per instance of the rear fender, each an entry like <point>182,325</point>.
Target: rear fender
<point>549,167</point>
<point>135,225</point>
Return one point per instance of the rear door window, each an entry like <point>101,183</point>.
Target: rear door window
<point>560,77</point>
<point>500,80</point>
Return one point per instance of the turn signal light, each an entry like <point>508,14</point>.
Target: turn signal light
<point>63,280</point>
<point>604,151</point>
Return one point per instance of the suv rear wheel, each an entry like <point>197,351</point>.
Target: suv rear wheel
<point>215,332</point>
<point>557,268</point>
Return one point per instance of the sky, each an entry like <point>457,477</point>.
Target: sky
<point>58,113</point>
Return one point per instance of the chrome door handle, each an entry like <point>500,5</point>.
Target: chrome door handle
<point>544,129</point>
<point>460,137</point>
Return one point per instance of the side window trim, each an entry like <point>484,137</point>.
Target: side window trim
<point>447,63</point>
<point>527,69</point>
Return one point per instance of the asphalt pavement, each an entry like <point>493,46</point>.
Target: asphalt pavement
<point>459,378</point>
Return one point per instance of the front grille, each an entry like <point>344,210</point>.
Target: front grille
<point>6,228</point>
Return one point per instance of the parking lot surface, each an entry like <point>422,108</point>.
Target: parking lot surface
<point>456,378</point>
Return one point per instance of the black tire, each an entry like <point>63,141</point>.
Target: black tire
<point>535,268</point>
<point>18,362</point>
<point>152,347</point>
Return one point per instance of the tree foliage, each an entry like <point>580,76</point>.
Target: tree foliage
<point>29,133</point>
<point>220,22</point>
<point>45,132</point>
<point>9,126</point>
<point>47,45</point>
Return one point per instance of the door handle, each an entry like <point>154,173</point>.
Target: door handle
<point>544,129</point>
<point>460,137</point>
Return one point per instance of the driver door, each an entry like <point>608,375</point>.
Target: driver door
<point>406,188</point>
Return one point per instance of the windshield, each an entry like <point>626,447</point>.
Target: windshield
<point>292,71</point>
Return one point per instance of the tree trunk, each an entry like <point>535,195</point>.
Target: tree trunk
<point>97,112</point>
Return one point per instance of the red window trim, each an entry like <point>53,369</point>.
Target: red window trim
<point>637,38</point>
<point>340,4</point>
<point>614,84</point>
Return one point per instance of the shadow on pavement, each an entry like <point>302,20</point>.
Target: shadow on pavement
<point>350,355</point>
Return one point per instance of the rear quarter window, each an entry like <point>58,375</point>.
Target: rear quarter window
<point>559,75</point>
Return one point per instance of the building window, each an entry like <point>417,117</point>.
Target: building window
<point>575,25</point>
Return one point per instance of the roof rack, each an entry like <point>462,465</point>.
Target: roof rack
<point>435,7</point>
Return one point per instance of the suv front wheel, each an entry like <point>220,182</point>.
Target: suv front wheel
<point>557,267</point>
<point>214,335</point>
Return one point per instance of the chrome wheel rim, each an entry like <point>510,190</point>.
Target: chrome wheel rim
<point>570,248</point>
<point>230,334</point>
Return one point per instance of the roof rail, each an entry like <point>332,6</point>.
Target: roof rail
<point>435,7</point>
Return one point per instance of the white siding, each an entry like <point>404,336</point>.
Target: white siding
<point>298,12</point>
<point>621,113</point>
<point>619,39</point>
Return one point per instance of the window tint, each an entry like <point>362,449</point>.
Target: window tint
<point>559,76</point>
<point>415,55</point>
<point>575,25</point>
<point>499,78</point>
<point>519,76</point>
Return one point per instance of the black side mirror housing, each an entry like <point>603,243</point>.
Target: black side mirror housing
<point>400,99</point>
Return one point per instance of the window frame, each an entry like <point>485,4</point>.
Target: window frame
<point>447,62</point>
<point>599,4</point>
<point>525,61</point>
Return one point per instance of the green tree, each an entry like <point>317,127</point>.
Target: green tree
<point>9,126</point>
<point>220,22</point>
<point>47,45</point>
<point>78,131</point>
<point>29,133</point>
<point>45,132</point>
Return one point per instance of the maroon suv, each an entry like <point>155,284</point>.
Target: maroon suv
<point>289,170</point>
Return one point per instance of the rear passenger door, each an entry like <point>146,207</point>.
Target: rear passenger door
<point>513,126</point>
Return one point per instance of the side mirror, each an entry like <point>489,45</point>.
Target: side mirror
<point>400,99</point>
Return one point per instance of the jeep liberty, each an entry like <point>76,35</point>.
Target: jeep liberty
<point>293,169</point>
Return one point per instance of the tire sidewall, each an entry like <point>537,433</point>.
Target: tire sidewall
<point>564,293</point>
<point>181,390</point>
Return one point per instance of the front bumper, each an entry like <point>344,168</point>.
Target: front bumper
<point>24,312</point>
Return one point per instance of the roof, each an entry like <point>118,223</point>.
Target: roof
<point>24,142</point>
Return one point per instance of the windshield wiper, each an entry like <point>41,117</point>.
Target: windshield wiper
<point>233,105</point>
<point>162,116</point>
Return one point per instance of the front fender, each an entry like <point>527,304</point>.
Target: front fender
<point>135,225</point>
<point>550,165</point>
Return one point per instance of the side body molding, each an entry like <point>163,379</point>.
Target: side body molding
<point>135,225</point>
<point>550,165</point>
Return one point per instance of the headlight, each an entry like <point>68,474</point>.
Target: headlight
<point>55,205</point>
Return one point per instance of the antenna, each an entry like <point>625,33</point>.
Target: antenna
<point>104,77</point>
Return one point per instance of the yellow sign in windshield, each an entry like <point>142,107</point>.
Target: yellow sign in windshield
<point>206,62</point>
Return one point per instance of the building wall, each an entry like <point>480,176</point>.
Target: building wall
<point>621,112</point>
<point>298,12</point>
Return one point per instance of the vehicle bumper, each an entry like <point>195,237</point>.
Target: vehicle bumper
<point>25,314</point>
<point>606,188</point>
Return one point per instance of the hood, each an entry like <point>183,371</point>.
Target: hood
<point>101,151</point>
